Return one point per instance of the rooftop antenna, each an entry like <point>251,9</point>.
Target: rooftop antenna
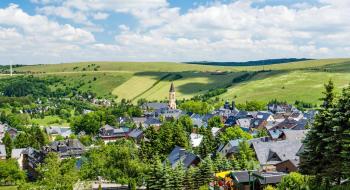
<point>11,67</point>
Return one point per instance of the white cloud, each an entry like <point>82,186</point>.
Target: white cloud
<point>32,38</point>
<point>100,16</point>
<point>223,32</point>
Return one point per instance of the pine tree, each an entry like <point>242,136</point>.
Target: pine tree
<point>206,170</point>
<point>155,173</point>
<point>8,144</point>
<point>337,151</point>
<point>345,153</point>
<point>166,173</point>
<point>189,179</point>
<point>313,159</point>
<point>177,178</point>
<point>235,164</point>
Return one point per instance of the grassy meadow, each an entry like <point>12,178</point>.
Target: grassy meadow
<point>301,80</point>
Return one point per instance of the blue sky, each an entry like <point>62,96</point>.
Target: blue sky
<point>54,31</point>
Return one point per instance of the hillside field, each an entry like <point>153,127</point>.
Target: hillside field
<point>301,80</point>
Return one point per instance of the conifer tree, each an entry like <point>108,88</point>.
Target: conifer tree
<point>177,178</point>
<point>345,153</point>
<point>206,170</point>
<point>313,159</point>
<point>8,144</point>
<point>189,179</point>
<point>337,152</point>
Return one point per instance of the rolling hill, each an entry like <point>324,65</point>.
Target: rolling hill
<point>301,80</point>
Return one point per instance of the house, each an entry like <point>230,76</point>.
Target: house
<point>230,121</point>
<point>2,152</point>
<point>244,123</point>
<point>262,179</point>
<point>226,150</point>
<point>170,114</point>
<point>152,122</point>
<point>180,155</point>
<point>258,123</point>
<point>195,139</point>
<point>287,134</point>
<point>111,134</point>
<point>215,131</point>
<point>272,153</point>
<point>242,180</point>
<point>54,131</point>
<point>297,115</point>
<point>154,108</point>
<point>267,116</point>
<point>31,160</point>
<point>245,180</point>
<point>231,147</point>
<point>66,148</point>
<point>139,121</point>
<point>198,121</point>
<point>2,131</point>
<point>274,108</point>
<point>12,131</point>
<point>291,124</point>
<point>18,154</point>
<point>279,117</point>
<point>136,134</point>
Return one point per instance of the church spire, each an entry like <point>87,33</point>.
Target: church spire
<point>172,88</point>
<point>172,98</point>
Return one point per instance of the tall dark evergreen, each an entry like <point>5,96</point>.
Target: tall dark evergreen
<point>8,144</point>
<point>337,150</point>
<point>314,158</point>
<point>345,102</point>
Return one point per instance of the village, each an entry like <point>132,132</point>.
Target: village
<point>277,135</point>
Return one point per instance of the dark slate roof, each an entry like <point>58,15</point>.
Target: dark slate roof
<point>263,115</point>
<point>172,88</point>
<point>269,177</point>
<point>66,148</point>
<point>242,176</point>
<point>179,154</point>
<point>230,121</point>
<point>156,105</point>
<point>274,152</point>
<point>153,121</point>
<point>135,133</point>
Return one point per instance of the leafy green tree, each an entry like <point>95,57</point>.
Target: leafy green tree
<point>31,137</point>
<point>246,156</point>
<point>117,161</point>
<point>198,107</point>
<point>233,133</point>
<point>57,174</point>
<point>89,123</point>
<point>262,133</point>
<point>10,173</point>
<point>293,181</point>
<point>186,122</point>
<point>222,164</point>
<point>215,122</point>
<point>7,141</point>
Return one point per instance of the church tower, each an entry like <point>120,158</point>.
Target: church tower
<point>172,98</point>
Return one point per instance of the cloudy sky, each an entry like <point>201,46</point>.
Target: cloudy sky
<point>54,31</point>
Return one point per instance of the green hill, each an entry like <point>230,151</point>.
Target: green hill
<point>302,80</point>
